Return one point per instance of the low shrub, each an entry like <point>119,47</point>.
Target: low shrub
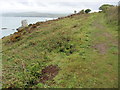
<point>38,23</point>
<point>105,7</point>
<point>30,25</point>
<point>87,10</point>
<point>15,37</point>
<point>34,26</point>
<point>81,12</point>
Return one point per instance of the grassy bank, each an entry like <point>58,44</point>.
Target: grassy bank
<point>78,51</point>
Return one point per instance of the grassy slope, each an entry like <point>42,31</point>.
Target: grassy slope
<point>83,46</point>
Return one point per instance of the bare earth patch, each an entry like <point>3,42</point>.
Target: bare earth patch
<point>101,47</point>
<point>108,35</point>
<point>49,72</point>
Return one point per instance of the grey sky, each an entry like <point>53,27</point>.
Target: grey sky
<point>52,6</point>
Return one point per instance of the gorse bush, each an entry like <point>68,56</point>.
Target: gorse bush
<point>15,37</point>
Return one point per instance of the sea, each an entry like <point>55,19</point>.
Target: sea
<point>8,25</point>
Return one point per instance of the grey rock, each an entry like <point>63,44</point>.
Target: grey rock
<point>3,28</point>
<point>24,23</point>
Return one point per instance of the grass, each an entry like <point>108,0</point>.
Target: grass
<point>68,43</point>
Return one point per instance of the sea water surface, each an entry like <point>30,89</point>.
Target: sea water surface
<point>10,24</point>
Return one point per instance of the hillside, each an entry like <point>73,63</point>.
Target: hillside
<point>77,51</point>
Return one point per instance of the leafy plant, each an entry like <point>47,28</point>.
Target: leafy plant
<point>87,10</point>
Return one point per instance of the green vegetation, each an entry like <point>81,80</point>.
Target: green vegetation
<point>75,12</point>
<point>77,51</point>
<point>87,10</point>
<point>105,7</point>
<point>82,12</point>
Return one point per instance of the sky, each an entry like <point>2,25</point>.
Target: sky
<point>52,6</point>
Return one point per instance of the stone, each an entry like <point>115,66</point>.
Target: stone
<point>24,23</point>
<point>4,28</point>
